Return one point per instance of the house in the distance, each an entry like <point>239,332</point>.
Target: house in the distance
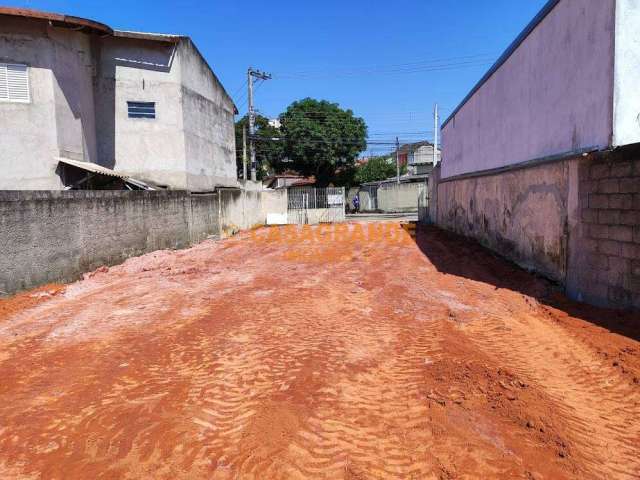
<point>418,157</point>
<point>78,99</point>
<point>286,180</point>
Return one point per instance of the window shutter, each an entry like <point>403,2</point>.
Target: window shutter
<point>4,90</point>
<point>141,109</point>
<point>14,83</point>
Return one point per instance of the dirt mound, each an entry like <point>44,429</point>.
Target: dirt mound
<point>329,352</point>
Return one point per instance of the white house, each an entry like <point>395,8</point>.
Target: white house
<point>76,95</point>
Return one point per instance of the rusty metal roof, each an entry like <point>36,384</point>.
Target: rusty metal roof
<point>61,20</point>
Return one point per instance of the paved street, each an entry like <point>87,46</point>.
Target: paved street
<point>350,351</point>
<point>383,217</point>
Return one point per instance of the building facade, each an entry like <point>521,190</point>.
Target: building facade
<point>418,157</point>
<point>542,159</point>
<point>143,105</point>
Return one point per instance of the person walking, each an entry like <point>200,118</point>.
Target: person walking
<point>356,204</point>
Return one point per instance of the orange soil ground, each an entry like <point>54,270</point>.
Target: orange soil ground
<point>337,353</point>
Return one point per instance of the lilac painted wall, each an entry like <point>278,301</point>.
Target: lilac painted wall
<point>553,95</point>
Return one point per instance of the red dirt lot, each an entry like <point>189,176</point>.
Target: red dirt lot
<point>346,352</point>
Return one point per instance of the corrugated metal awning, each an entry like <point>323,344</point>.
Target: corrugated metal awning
<point>100,170</point>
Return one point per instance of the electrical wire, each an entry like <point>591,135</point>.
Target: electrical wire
<point>411,67</point>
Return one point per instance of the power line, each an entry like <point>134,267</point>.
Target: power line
<point>411,67</point>
<point>345,141</point>
<point>251,74</point>
<point>238,90</point>
<point>455,66</point>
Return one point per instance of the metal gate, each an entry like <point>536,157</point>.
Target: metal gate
<point>310,205</point>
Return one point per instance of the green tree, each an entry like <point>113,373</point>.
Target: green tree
<point>269,152</point>
<point>321,137</point>
<point>345,177</point>
<point>377,168</point>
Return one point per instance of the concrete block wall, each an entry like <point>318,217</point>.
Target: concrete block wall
<point>48,236</point>
<point>240,210</point>
<point>204,218</point>
<point>606,263</point>
<point>391,197</point>
<point>400,198</point>
<point>275,205</point>
<point>56,236</point>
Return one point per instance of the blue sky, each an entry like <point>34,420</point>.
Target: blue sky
<point>387,61</point>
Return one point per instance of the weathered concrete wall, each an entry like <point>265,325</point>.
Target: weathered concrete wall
<point>240,210</point>
<point>521,214</point>
<point>391,197</point>
<point>552,95</point>
<point>150,149</point>
<point>204,219</point>
<point>59,120</point>
<point>208,119</point>
<point>274,201</point>
<point>316,216</point>
<point>400,198</point>
<point>576,221</point>
<point>367,199</point>
<point>56,236</point>
<point>431,214</point>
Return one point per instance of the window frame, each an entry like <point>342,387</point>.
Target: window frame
<point>27,79</point>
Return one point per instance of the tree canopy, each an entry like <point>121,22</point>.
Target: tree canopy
<point>377,168</point>
<point>321,137</point>
<point>269,152</point>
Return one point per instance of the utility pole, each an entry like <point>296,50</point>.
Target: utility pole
<point>398,160</point>
<point>436,128</point>
<point>244,153</point>
<point>251,74</point>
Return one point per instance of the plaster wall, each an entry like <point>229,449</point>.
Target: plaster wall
<point>274,201</point>
<point>240,210</point>
<point>80,85</point>
<point>59,120</point>
<point>208,122</point>
<point>400,198</point>
<point>149,149</point>
<point>367,200</point>
<point>626,126</point>
<point>553,95</point>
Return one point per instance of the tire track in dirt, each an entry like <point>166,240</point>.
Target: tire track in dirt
<point>588,392</point>
<point>599,406</point>
<point>315,358</point>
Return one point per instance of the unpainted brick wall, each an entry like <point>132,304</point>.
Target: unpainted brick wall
<point>609,187</point>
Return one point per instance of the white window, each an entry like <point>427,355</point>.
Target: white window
<point>14,83</point>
